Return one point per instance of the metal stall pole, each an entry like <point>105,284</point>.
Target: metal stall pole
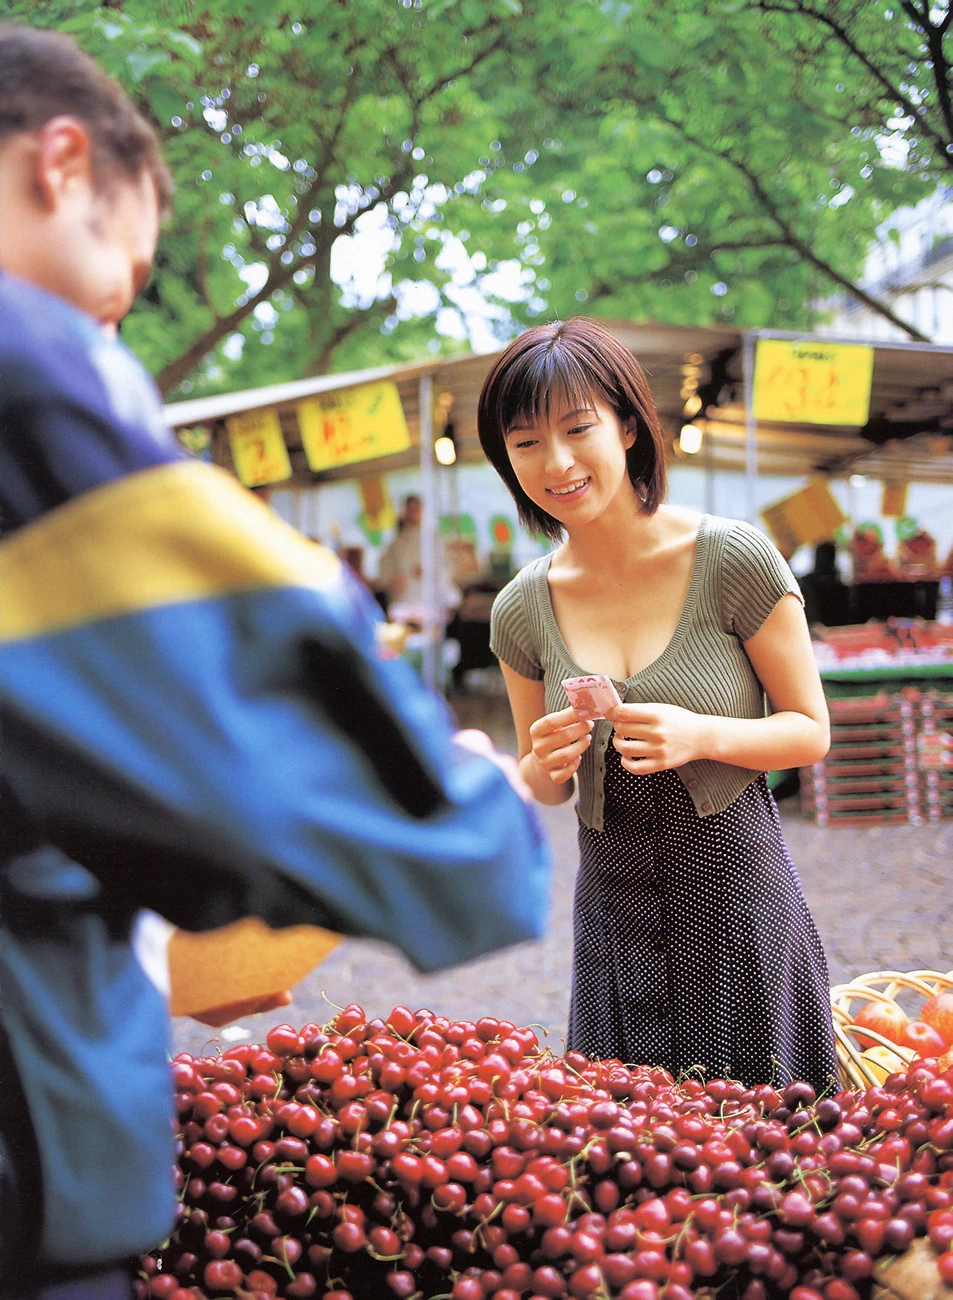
<point>709,472</point>
<point>751,429</point>
<point>433,624</point>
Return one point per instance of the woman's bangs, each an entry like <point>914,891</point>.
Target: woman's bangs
<point>542,382</point>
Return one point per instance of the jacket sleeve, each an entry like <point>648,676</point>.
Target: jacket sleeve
<point>196,709</point>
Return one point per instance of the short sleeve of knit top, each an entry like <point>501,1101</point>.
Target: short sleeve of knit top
<point>754,577</point>
<point>512,635</point>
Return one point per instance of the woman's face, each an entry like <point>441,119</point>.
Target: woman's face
<point>571,463</point>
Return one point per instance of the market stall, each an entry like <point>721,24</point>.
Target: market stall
<point>366,425</point>
<point>420,1157</point>
<point>890,694</point>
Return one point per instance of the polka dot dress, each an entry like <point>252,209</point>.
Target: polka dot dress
<point>694,946</point>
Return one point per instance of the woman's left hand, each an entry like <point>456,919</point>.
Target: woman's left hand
<point>655,737</point>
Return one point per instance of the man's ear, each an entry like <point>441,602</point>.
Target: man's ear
<point>63,160</point>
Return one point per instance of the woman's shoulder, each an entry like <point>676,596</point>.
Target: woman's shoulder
<point>748,573</point>
<point>517,630</point>
<point>525,598</point>
<point>739,539</point>
<point>525,579</point>
<point>681,518</point>
<point>726,526</point>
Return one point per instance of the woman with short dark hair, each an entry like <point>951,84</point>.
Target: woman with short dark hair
<point>693,945</point>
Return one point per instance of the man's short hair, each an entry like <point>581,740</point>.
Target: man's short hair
<point>44,74</point>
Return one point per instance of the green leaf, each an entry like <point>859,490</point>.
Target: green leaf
<point>185,44</point>
<point>111,30</point>
<point>141,62</point>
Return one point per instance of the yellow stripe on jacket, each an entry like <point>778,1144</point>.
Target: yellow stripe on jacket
<point>180,532</point>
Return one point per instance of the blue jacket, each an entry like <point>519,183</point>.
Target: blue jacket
<point>197,718</point>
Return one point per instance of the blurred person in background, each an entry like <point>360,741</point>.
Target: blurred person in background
<point>400,574</point>
<point>825,593</point>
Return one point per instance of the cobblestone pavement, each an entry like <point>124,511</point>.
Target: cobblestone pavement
<point>882,897</point>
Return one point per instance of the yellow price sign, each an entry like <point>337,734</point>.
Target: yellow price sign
<point>258,448</point>
<point>353,424</point>
<point>807,516</point>
<point>812,383</point>
<point>378,506</point>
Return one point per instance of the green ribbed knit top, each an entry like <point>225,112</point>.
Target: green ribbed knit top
<point>738,577</point>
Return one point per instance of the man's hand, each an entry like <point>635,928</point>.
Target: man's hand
<point>230,1011</point>
<point>478,742</point>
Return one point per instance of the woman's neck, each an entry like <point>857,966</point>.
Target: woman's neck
<point>622,536</point>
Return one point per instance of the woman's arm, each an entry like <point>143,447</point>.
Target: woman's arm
<point>550,745</point>
<point>796,734</point>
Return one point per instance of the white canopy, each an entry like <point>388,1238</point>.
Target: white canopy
<point>911,408</point>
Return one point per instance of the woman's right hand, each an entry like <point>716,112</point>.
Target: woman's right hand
<point>559,742</point>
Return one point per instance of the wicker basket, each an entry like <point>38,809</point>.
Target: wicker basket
<point>864,1067</point>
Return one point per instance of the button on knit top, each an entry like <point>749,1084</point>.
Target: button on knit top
<point>738,577</point>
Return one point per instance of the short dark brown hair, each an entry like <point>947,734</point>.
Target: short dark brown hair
<point>44,74</point>
<point>570,362</point>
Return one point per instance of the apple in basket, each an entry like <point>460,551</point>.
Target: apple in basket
<point>923,1039</point>
<point>884,1018</point>
<point>938,1012</point>
<point>882,1062</point>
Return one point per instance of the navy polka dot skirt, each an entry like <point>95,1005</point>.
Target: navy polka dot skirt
<point>693,944</point>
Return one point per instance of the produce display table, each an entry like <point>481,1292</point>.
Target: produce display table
<point>840,682</point>
<point>470,627</point>
<point>880,600</point>
<point>428,1159</point>
<point>870,775</point>
<point>890,695</point>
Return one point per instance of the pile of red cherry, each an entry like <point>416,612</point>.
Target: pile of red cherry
<point>419,1157</point>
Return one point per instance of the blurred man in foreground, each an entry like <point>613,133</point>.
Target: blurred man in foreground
<point>196,717</point>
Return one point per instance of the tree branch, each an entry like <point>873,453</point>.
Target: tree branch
<point>390,57</point>
<point>279,275</point>
<point>465,70</point>
<point>889,88</point>
<point>319,363</point>
<point>791,238</point>
<point>938,61</point>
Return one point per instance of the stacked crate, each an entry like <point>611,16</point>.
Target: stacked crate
<point>935,754</point>
<point>871,774</point>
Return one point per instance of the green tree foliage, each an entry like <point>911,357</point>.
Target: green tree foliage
<point>351,173</point>
<point>717,160</point>
<point>284,126</point>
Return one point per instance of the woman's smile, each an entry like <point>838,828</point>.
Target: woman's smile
<point>572,461</point>
<point>570,490</point>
